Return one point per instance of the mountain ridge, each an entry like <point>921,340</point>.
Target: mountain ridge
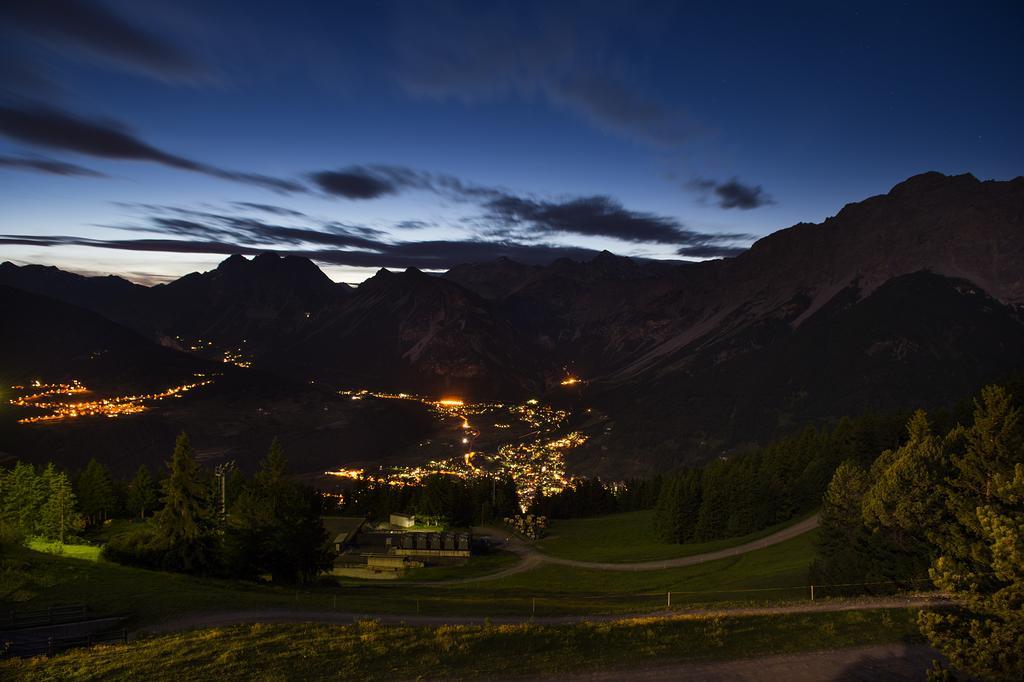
<point>634,328</point>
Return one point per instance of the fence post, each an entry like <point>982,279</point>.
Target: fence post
<point>49,645</point>
<point>534,606</point>
<point>812,592</point>
<point>124,635</point>
<point>669,600</point>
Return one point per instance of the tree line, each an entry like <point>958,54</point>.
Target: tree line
<point>593,497</point>
<point>453,501</point>
<point>947,505</point>
<point>736,495</point>
<point>39,504</point>
<point>50,504</point>
<point>266,526</point>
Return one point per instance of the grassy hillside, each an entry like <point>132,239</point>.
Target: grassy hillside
<point>626,538</point>
<point>33,579</point>
<point>778,572</point>
<point>370,651</point>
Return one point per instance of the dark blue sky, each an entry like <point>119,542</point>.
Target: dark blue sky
<point>152,138</point>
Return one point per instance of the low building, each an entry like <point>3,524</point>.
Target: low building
<point>402,520</point>
<point>343,530</point>
<point>449,544</point>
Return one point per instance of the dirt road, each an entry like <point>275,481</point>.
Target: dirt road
<point>238,617</point>
<point>881,662</point>
<point>530,558</point>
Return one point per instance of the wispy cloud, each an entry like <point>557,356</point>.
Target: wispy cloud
<point>91,28</point>
<point>562,52</point>
<point>54,129</point>
<point>269,208</point>
<point>426,255</point>
<point>48,166</point>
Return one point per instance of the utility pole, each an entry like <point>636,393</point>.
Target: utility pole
<point>221,471</point>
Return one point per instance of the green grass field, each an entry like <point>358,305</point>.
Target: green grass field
<point>627,538</point>
<point>368,650</point>
<point>87,552</point>
<point>33,579</point>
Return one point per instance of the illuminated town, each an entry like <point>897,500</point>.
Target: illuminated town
<point>534,459</point>
<point>53,399</point>
<point>206,349</point>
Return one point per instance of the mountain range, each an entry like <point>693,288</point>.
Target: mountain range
<point>907,299</point>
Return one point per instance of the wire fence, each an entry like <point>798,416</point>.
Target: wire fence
<point>517,602</point>
<point>48,645</point>
<point>56,628</point>
<point>51,615</point>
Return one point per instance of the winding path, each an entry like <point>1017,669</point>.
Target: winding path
<point>787,533</point>
<point>530,558</point>
<point>867,664</point>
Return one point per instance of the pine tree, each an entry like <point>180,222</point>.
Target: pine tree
<point>58,516</point>
<point>716,485</point>
<point>275,527</point>
<point>96,493</point>
<point>184,523</point>
<point>981,549</point>
<point>842,534</point>
<point>24,493</point>
<point>142,493</point>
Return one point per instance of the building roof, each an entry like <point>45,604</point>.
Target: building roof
<point>342,529</point>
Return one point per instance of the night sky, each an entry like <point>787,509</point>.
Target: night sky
<point>151,139</point>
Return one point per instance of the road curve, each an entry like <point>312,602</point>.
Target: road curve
<point>530,558</point>
<point>787,533</point>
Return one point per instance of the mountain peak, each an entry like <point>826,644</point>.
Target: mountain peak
<point>234,262</point>
<point>932,180</point>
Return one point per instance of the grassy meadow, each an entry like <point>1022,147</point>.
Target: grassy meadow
<point>628,537</point>
<point>31,579</point>
<point>371,651</point>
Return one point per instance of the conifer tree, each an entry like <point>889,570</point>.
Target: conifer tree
<point>981,548</point>
<point>58,515</point>
<point>24,493</point>
<point>96,495</point>
<point>184,523</point>
<point>142,493</point>
<point>275,526</point>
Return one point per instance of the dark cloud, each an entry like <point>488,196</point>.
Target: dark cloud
<point>269,208</point>
<point>60,130</point>
<point>731,194</point>
<point>413,225</point>
<point>48,166</point>
<point>710,251</point>
<point>594,216</point>
<point>354,183</point>
<point>248,231</point>
<point>598,216</point>
<point>506,215</point>
<point>90,26</point>
<point>431,255</point>
<point>207,231</point>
